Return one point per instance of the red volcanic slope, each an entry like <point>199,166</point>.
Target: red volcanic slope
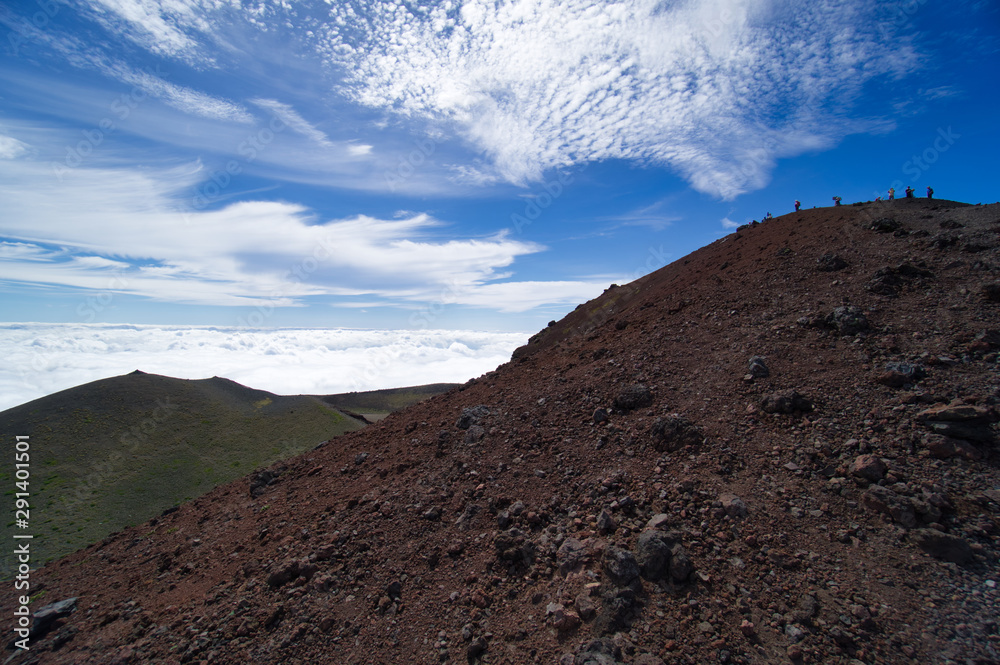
<point>633,489</point>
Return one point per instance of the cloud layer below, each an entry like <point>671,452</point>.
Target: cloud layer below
<point>41,359</point>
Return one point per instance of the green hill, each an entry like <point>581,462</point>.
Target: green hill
<point>118,451</point>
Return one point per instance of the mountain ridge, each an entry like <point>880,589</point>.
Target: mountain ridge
<point>780,448</point>
<point>120,450</point>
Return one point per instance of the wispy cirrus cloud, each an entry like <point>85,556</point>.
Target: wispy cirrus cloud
<point>170,28</point>
<point>180,97</point>
<point>11,148</point>
<point>717,90</point>
<point>130,229</point>
<point>296,122</point>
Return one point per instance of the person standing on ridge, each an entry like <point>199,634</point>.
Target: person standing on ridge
<point>930,192</point>
<point>892,193</point>
<point>836,200</point>
<point>798,204</point>
<point>909,192</point>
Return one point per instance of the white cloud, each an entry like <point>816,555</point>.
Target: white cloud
<point>716,89</point>
<point>296,122</point>
<point>129,232</point>
<point>524,296</point>
<point>181,97</point>
<point>40,359</point>
<point>729,224</point>
<point>159,26</point>
<point>11,148</point>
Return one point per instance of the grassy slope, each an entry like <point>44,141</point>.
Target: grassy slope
<point>385,401</point>
<point>118,451</point>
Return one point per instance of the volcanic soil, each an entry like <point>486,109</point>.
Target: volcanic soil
<point>780,448</point>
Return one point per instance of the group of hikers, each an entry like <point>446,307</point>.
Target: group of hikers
<point>909,193</point>
<point>892,197</point>
<point>837,201</point>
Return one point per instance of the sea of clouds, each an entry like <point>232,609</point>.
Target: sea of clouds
<point>44,358</point>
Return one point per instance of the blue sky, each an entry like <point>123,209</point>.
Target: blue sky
<point>450,165</point>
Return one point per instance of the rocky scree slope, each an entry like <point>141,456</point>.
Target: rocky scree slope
<point>781,448</point>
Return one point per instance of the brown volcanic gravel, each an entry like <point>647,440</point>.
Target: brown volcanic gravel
<point>635,489</point>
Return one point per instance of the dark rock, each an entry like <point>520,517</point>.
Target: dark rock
<point>620,566</point>
<point>830,263</point>
<point>885,225</point>
<point>261,480</point>
<point>681,566</point>
<point>945,447</point>
<point>653,553</point>
<point>674,432</point>
<point>943,240</point>
<point>472,416</point>
<point>514,547</point>
<point>570,556</point>
<point>989,337</point>
<point>394,590</point>
<point>600,416</point>
<point>806,610</point>
<point>897,375</point>
<point>474,434</point>
<point>560,618</point>
<point>888,281</point>
<point>283,573</point>
<point>883,500</point>
<point>868,467</point>
<point>634,397</point>
<point>848,320</point>
<point>468,516</point>
<point>758,369</point>
<point>992,292</point>
<point>433,514</point>
<point>785,401</point>
<point>606,523</point>
<point>597,652</point>
<point>476,649</point>
<point>617,608</point>
<point>892,379</point>
<point>960,421</point>
<point>360,458</point>
<point>733,505</point>
<point>943,545</point>
<point>43,619</point>
<point>585,606</point>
